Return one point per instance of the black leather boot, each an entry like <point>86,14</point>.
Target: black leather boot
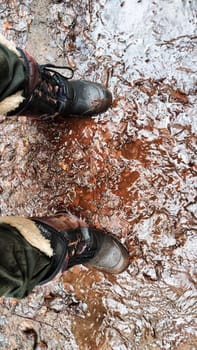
<point>35,251</point>
<point>84,245</point>
<point>49,92</point>
<point>96,249</point>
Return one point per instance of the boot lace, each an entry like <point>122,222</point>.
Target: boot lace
<point>46,68</point>
<point>54,85</point>
<point>80,250</point>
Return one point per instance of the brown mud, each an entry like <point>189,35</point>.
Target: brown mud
<point>131,171</point>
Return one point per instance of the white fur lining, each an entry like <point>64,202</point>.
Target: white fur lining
<point>30,232</point>
<point>11,102</point>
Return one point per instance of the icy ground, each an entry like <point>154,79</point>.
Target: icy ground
<point>131,171</point>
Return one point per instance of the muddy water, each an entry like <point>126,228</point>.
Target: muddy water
<point>131,171</point>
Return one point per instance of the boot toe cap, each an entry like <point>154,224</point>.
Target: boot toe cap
<point>112,257</point>
<point>90,98</point>
<point>99,100</point>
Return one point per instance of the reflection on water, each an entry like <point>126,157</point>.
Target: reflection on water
<point>131,171</point>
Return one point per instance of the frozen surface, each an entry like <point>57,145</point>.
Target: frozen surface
<point>131,171</point>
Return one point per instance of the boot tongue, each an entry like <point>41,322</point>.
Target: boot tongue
<point>85,232</point>
<point>81,247</point>
<point>80,240</point>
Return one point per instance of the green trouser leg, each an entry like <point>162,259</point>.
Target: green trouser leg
<point>22,266</point>
<point>12,73</point>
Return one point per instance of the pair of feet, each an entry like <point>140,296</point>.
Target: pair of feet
<point>48,92</point>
